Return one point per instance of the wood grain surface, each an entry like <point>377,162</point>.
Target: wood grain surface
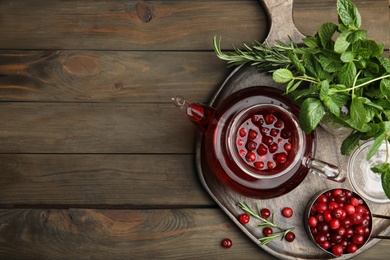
<point>95,162</point>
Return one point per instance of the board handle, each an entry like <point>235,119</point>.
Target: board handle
<point>280,18</point>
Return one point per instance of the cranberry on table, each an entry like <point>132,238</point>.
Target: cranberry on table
<point>267,231</point>
<point>244,218</point>
<point>290,236</point>
<point>287,212</point>
<point>265,213</point>
<point>227,243</point>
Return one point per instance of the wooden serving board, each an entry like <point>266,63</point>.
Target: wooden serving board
<point>327,150</point>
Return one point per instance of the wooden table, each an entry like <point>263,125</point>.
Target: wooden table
<point>95,162</point>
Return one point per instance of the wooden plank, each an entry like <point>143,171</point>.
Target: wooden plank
<point>107,76</point>
<point>128,25</point>
<point>100,181</point>
<point>28,127</point>
<point>125,234</point>
<point>161,25</point>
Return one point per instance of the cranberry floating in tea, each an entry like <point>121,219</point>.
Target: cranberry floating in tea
<point>252,142</point>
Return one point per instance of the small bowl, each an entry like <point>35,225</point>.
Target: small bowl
<point>313,210</point>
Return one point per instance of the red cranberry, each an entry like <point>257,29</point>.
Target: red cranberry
<point>242,131</point>
<point>255,119</point>
<point>358,239</point>
<point>341,231</point>
<point>352,248</point>
<point>356,218</point>
<point>336,192</point>
<point>322,207</point>
<point>349,209</point>
<point>267,231</point>
<point>251,145</point>
<point>268,140</point>
<point>359,230</point>
<point>313,221</point>
<point>252,134</point>
<point>279,123</point>
<point>333,205</point>
<point>273,147</point>
<point>287,212</point>
<point>349,232</point>
<point>327,215</point>
<point>290,236</point>
<point>265,213</point>
<point>361,210</point>
<point>244,218</point>
<point>270,165</point>
<point>269,119</point>
<point>335,238</point>
<point>264,130</point>
<point>259,165</point>
<point>323,199</point>
<point>326,245</point>
<point>354,201</point>
<point>227,243</point>
<point>337,250</point>
<point>323,227</point>
<point>334,223</point>
<point>281,158</point>
<point>320,238</point>
<point>262,150</point>
<point>337,213</point>
<point>287,147</point>
<point>251,157</point>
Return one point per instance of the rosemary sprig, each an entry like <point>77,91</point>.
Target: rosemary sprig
<point>265,223</point>
<point>262,56</point>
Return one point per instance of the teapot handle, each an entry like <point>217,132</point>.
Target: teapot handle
<point>326,170</point>
<point>280,18</point>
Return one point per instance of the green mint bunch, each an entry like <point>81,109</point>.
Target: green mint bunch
<point>338,72</point>
<point>347,78</point>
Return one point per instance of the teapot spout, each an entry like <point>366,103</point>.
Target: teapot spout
<point>198,114</point>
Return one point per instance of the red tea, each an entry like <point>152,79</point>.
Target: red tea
<point>265,140</point>
<point>253,149</point>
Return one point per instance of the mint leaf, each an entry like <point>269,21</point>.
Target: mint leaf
<point>324,89</point>
<point>297,64</point>
<point>348,14</point>
<point>350,143</point>
<point>358,113</point>
<point>356,36</point>
<point>347,56</point>
<point>310,42</point>
<point>330,61</point>
<point>385,87</point>
<point>282,75</point>
<point>347,74</point>
<point>384,170</point>
<point>311,114</point>
<point>341,44</point>
<point>385,178</point>
<point>325,33</point>
<point>378,140</point>
<point>291,86</point>
<point>385,62</point>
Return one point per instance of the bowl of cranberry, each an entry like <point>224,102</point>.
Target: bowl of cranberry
<point>338,221</point>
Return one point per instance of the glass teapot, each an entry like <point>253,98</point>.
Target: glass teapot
<point>254,143</point>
